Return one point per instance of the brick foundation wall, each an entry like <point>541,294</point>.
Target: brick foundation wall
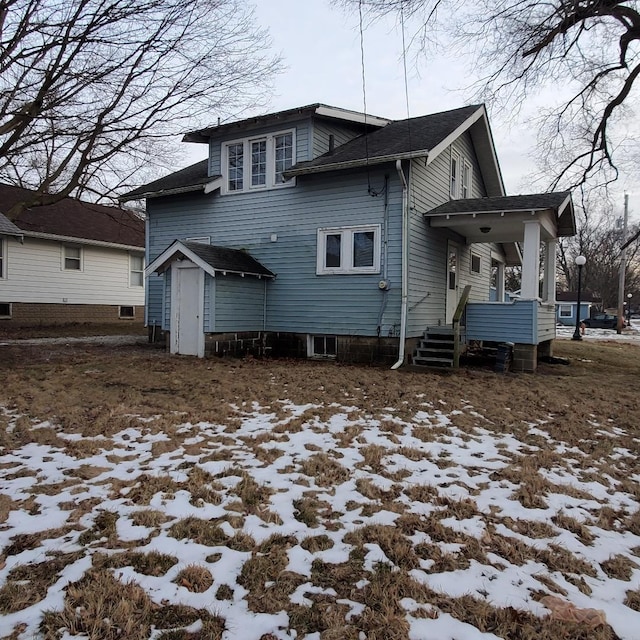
<point>25,314</point>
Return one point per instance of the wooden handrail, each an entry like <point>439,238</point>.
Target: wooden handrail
<point>462,303</point>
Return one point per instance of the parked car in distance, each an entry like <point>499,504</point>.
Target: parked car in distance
<point>602,321</point>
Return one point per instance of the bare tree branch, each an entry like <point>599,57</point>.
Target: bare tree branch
<point>92,90</point>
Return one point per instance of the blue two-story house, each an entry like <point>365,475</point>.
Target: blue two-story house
<point>323,232</point>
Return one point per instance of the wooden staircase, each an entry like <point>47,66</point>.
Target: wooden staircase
<point>436,348</point>
<point>441,346</point>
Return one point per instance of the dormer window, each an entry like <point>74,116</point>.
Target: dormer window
<point>258,163</point>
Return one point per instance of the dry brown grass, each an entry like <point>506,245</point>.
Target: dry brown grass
<point>94,392</point>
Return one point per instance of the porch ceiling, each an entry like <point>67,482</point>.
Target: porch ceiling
<point>502,219</point>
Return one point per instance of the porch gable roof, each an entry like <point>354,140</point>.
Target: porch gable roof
<point>211,259</point>
<point>496,219</point>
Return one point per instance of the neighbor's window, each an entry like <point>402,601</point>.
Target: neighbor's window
<point>2,258</point>
<point>323,346</point>
<point>566,311</point>
<point>475,263</point>
<point>5,309</point>
<point>136,271</point>
<point>455,174</point>
<point>344,250</point>
<point>72,258</point>
<point>258,163</point>
<point>466,180</point>
<point>127,312</point>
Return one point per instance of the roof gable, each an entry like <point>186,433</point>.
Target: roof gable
<point>211,259</point>
<point>73,218</point>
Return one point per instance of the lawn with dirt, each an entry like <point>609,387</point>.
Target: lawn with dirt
<point>150,496</point>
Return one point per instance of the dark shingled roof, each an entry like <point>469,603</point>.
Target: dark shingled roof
<point>414,136</point>
<point>401,138</point>
<point>7,227</point>
<point>75,219</point>
<point>529,202</point>
<point>224,259</point>
<point>191,178</point>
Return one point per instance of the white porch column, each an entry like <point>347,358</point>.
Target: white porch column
<point>531,260</point>
<point>499,267</point>
<point>549,286</point>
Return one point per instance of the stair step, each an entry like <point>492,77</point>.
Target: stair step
<point>433,362</point>
<point>436,353</point>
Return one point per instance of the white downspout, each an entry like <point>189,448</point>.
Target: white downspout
<point>405,265</point>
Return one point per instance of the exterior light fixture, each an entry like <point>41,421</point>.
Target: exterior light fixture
<point>485,229</point>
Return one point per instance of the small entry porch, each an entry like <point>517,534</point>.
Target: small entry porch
<point>531,226</point>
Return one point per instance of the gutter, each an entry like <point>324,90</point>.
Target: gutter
<point>405,264</point>
<point>82,241</point>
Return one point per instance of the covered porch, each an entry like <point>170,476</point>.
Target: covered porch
<point>533,223</point>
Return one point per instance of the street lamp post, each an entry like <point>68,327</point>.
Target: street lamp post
<point>580,262</point>
<point>629,296</point>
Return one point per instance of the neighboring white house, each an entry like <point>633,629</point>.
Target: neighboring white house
<point>71,261</point>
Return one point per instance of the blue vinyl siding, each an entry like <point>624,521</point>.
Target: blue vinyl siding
<point>209,302</point>
<point>239,303</point>
<point>166,301</point>
<point>298,300</point>
<point>520,321</point>
<point>428,246</point>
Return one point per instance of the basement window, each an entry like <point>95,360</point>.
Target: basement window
<point>322,346</point>
<point>127,312</point>
<point>5,310</point>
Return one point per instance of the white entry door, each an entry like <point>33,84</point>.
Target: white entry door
<point>187,309</point>
<point>453,275</point>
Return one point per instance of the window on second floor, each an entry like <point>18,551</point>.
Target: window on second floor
<point>136,271</point>
<point>455,174</point>
<point>258,163</point>
<point>3,259</point>
<point>465,185</point>
<point>72,258</point>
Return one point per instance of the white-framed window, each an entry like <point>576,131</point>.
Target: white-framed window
<point>136,270</point>
<point>5,310</point>
<point>455,175</point>
<point>71,258</point>
<point>3,258</point>
<point>127,311</point>
<point>322,346</point>
<point>566,311</point>
<point>258,163</point>
<point>465,186</point>
<point>476,263</point>
<point>343,250</point>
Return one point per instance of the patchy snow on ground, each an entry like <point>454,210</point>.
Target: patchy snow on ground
<point>629,334</point>
<point>445,506</point>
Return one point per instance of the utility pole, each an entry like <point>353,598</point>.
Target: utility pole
<point>623,266</point>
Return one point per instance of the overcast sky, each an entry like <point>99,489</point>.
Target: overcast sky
<point>320,46</point>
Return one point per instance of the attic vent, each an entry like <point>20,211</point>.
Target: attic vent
<point>332,142</point>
